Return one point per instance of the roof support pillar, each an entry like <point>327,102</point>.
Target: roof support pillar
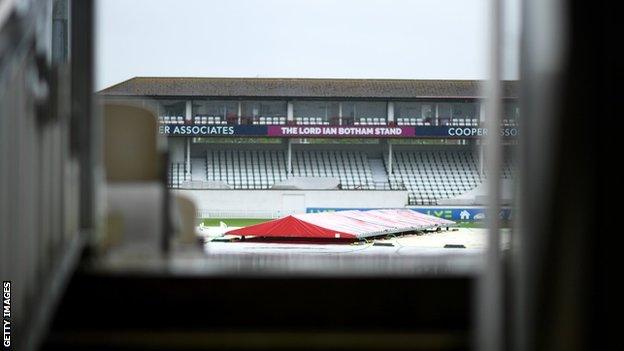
<point>188,158</point>
<point>290,116</point>
<point>437,115</point>
<point>239,113</point>
<point>390,113</point>
<point>289,166</point>
<point>189,111</point>
<point>389,157</point>
<point>340,113</point>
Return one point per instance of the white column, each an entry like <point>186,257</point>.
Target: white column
<point>188,157</point>
<point>340,113</point>
<point>290,116</point>
<point>289,170</point>
<point>240,112</point>
<point>390,113</point>
<point>437,116</point>
<point>189,111</point>
<point>389,157</point>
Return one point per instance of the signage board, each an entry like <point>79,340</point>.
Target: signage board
<point>324,131</point>
<point>454,213</point>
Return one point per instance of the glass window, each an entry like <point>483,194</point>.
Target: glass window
<point>465,110</point>
<point>428,112</point>
<point>444,113</point>
<point>253,111</point>
<point>511,110</point>
<point>316,112</point>
<point>215,111</point>
<point>171,108</point>
<point>465,113</point>
<point>413,113</point>
<point>423,113</point>
<point>364,112</point>
<point>407,109</point>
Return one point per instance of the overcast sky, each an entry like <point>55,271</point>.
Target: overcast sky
<point>411,39</point>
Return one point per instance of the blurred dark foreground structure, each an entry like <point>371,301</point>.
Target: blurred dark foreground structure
<point>59,174</point>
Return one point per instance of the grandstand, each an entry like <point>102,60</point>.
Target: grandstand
<point>176,174</point>
<point>432,175</point>
<point>428,175</point>
<point>244,169</point>
<point>260,169</point>
<point>417,136</point>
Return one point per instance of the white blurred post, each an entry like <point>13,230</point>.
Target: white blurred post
<point>390,113</point>
<point>189,111</point>
<point>340,113</point>
<point>290,116</point>
<point>239,113</point>
<point>490,305</point>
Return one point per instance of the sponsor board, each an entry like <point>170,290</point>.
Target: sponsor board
<point>206,130</point>
<point>341,131</point>
<point>462,214</point>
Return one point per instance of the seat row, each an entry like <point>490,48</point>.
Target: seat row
<point>428,175</point>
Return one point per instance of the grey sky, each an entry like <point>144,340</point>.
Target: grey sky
<point>419,39</point>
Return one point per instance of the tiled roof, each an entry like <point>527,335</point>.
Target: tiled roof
<point>302,87</point>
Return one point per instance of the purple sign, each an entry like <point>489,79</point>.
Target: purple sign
<point>341,131</point>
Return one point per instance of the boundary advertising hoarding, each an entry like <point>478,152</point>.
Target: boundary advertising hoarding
<point>205,130</point>
<point>454,213</point>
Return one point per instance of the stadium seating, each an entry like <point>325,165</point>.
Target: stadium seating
<point>275,120</point>
<point>350,167</point>
<point>369,121</point>
<point>405,121</point>
<point>433,175</point>
<point>508,170</point>
<point>427,175</point>
<point>209,120</point>
<point>311,121</point>
<point>509,122</point>
<point>176,174</point>
<point>246,169</point>
<point>171,119</point>
<point>464,122</point>
<point>461,122</point>
<point>260,169</point>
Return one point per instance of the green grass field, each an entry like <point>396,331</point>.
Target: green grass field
<point>479,224</point>
<point>482,224</point>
